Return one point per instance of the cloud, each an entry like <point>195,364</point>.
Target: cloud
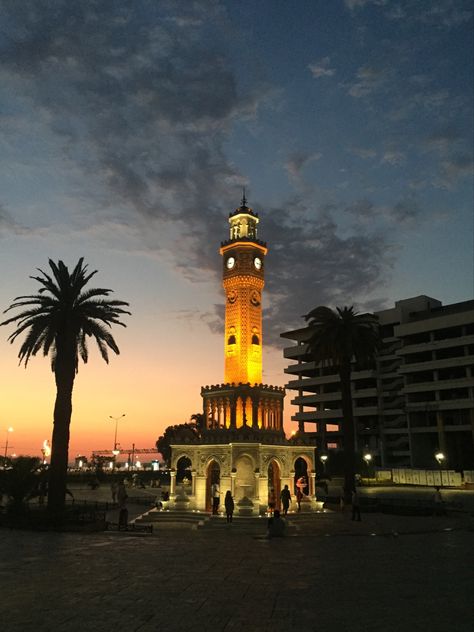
<point>144,102</point>
<point>359,4</point>
<point>368,80</point>
<point>406,211</point>
<point>9,226</point>
<point>363,152</point>
<point>393,157</point>
<point>321,68</point>
<point>454,169</point>
<point>297,161</point>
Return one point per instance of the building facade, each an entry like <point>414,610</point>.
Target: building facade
<point>243,446</point>
<point>417,401</point>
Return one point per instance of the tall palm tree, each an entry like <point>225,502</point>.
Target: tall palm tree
<point>57,321</point>
<point>336,339</point>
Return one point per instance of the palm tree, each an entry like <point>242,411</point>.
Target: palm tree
<point>57,321</point>
<point>337,338</point>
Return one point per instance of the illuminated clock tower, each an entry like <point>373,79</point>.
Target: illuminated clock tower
<point>243,280</point>
<point>241,443</point>
<point>242,401</point>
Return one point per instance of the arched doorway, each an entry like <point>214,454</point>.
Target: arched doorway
<point>213,476</point>
<point>183,470</point>
<point>301,476</point>
<point>274,484</point>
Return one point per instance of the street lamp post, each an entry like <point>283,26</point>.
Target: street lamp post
<point>115,451</point>
<point>439,456</point>
<point>323,458</point>
<point>10,429</point>
<point>367,458</point>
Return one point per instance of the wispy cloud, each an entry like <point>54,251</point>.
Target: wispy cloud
<point>322,68</point>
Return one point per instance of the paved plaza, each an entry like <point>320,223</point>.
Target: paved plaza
<point>387,574</point>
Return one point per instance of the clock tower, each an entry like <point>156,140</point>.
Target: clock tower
<point>243,280</point>
<point>241,444</point>
<point>242,403</point>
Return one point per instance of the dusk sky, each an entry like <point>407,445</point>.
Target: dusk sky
<point>128,130</point>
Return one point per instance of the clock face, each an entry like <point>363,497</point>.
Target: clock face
<point>230,263</point>
<point>257,262</point>
<point>255,298</point>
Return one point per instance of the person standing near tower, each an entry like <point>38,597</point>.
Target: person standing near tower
<point>216,496</point>
<point>285,498</point>
<point>229,505</point>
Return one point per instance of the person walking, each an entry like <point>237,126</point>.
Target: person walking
<point>299,498</point>
<point>122,505</point>
<point>229,506</point>
<point>215,494</point>
<point>355,505</point>
<point>113,491</point>
<point>285,497</point>
<point>439,509</point>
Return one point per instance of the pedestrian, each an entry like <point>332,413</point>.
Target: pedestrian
<point>355,505</point>
<point>215,494</point>
<point>276,525</point>
<point>113,491</point>
<point>285,498</point>
<point>439,509</point>
<point>271,501</point>
<point>122,505</point>
<point>229,506</point>
<point>299,498</point>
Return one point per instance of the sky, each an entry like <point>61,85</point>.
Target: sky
<point>127,132</point>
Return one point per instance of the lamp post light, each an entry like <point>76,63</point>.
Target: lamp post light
<point>439,456</point>
<point>368,459</point>
<point>323,458</point>
<point>116,451</point>
<point>10,429</point>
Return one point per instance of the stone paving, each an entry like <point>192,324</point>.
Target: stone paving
<point>333,576</point>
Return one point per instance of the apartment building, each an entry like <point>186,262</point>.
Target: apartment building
<point>416,401</point>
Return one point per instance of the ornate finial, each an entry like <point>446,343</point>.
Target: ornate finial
<point>244,199</point>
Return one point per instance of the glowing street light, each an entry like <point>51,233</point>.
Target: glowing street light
<point>116,451</point>
<point>323,458</point>
<point>439,456</point>
<point>10,429</point>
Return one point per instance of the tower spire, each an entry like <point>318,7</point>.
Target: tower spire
<point>244,199</point>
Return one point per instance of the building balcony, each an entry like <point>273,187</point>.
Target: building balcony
<point>296,352</point>
<point>437,385</point>
<point>433,345</point>
<point>437,364</point>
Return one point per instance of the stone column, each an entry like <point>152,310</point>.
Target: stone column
<point>257,487</point>
<point>193,482</point>
<point>172,483</point>
<point>312,485</point>
<point>232,483</point>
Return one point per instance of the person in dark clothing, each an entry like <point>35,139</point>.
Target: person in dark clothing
<point>276,525</point>
<point>229,506</point>
<point>355,505</point>
<point>285,498</point>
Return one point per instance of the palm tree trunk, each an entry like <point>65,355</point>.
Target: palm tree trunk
<point>348,430</point>
<point>65,373</point>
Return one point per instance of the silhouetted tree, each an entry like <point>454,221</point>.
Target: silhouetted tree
<point>20,481</point>
<point>337,338</point>
<point>180,433</point>
<point>57,321</point>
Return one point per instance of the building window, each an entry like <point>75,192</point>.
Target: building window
<point>255,340</point>
<point>231,340</point>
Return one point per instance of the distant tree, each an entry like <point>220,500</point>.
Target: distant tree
<point>337,338</point>
<point>180,433</point>
<point>57,321</point>
<point>20,481</point>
